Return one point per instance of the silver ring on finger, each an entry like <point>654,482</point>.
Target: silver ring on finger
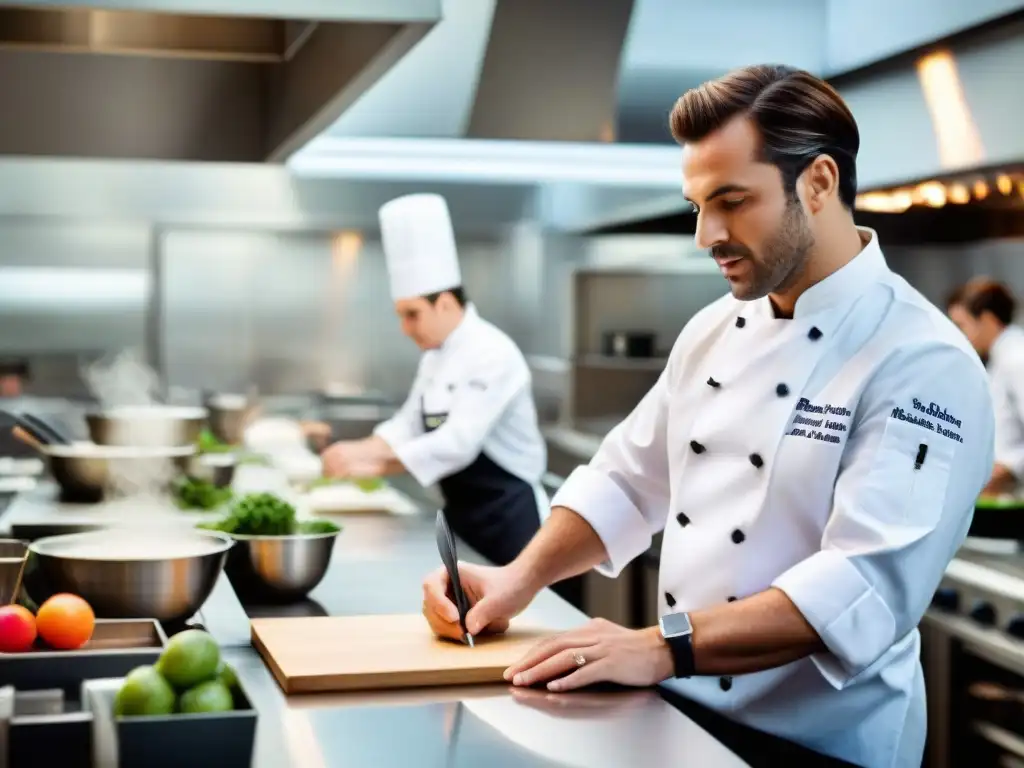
<point>579,658</point>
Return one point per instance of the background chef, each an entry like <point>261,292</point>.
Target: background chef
<point>809,508</point>
<point>984,310</point>
<point>469,423</point>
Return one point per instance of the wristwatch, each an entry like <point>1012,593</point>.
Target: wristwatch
<point>678,633</point>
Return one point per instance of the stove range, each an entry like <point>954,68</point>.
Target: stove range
<point>985,585</point>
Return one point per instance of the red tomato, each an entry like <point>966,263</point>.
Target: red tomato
<point>17,629</point>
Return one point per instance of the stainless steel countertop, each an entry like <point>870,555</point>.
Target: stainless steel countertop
<point>377,568</point>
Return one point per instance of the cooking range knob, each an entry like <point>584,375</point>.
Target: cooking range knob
<point>1016,626</point>
<point>946,599</point>
<point>984,613</point>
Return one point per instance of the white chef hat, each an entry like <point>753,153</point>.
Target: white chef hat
<point>419,246</point>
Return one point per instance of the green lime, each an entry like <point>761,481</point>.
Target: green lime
<point>191,657</point>
<point>211,696</point>
<point>144,692</point>
<point>226,674</point>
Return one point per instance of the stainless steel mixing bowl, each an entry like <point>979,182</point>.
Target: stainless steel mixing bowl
<point>86,472</point>
<point>130,573</point>
<point>279,568</point>
<point>146,425</point>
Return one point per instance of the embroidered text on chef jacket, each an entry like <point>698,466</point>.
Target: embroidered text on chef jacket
<point>1006,373</point>
<point>836,456</point>
<point>479,386</point>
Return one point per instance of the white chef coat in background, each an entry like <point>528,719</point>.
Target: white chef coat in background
<point>481,381</point>
<point>1006,372</point>
<point>784,453</point>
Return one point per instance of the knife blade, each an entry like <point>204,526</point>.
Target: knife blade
<point>449,556</point>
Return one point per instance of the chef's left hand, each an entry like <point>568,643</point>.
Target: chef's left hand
<point>613,654</point>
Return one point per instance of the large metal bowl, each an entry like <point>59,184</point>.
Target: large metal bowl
<point>279,569</point>
<point>146,425</point>
<point>130,573</point>
<point>87,473</point>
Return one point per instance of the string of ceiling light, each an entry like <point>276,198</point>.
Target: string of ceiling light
<point>1002,187</point>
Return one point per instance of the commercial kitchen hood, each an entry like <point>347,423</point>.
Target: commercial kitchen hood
<point>922,114</point>
<point>203,80</point>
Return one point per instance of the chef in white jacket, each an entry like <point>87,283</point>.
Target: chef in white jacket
<point>469,423</point>
<point>984,310</point>
<point>811,453</point>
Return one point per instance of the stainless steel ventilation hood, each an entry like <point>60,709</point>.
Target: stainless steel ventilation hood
<point>610,70</point>
<point>201,80</point>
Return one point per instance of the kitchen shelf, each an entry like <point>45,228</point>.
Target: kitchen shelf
<point>623,363</point>
<point>1001,737</point>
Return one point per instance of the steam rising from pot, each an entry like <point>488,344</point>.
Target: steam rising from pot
<point>125,386</point>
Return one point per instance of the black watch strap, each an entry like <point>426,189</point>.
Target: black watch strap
<point>682,654</point>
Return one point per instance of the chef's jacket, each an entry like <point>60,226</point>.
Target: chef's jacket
<point>835,456</point>
<point>481,382</point>
<point>1006,373</point>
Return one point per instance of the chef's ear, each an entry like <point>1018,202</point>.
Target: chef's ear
<point>821,179</point>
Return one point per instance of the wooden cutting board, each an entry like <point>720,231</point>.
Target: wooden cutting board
<point>347,653</point>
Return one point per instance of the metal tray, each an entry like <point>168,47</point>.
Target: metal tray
<point>116,648</point>
<point>214,740</point>
<point>46,729</point>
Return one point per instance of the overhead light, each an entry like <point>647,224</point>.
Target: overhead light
<point>959,194</point>
<point>932,194</point>
<point>1004,184</point>
<point>478,160</point>
<point>957,135</point>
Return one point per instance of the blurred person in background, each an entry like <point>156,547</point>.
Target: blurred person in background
<point>984,310</point>
<point>469,423</point>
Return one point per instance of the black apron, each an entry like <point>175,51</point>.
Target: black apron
<point>488,507</point>
<point>494,511</point>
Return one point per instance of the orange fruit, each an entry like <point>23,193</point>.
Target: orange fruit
<point>65,622</point>
<point>17,629</point>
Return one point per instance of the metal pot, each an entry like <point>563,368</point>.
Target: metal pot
<point>147,425</point>
<point>279,568</point>
<point>12,561</point>
<point>228,416</point>
<point>628,343</point>
<point>86,472</point>
<point>109,569</point>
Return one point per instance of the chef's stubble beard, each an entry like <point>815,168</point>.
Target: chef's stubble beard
<point>783,257</point>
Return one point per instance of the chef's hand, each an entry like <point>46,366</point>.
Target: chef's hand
<point>1001,482</point>
<point>495,596</point>
<point>611,653</point>
<point>347,459</point>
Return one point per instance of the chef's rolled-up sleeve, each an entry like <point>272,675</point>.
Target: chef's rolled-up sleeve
<point>489,384</point>
<point>623,493</point>
<point>903,502</point>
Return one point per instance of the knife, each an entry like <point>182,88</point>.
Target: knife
<point>446,546</point>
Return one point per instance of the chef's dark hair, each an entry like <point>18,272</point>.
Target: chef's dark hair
<point>458,293</point>
<point>798,115</point>
<point>986,295</point>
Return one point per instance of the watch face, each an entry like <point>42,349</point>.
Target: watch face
<point>675,624</point>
